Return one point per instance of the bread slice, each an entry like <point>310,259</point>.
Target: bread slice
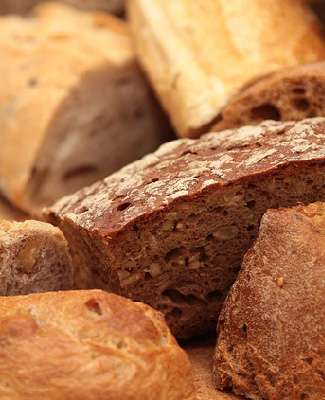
<point>34,257</point>
<point>171,229</point>
<point>271,330</point>
<point>23,6</point>
<point>287,95</point>
<point>198,53</point>
<point>88,345</point>
<point>74,105</point>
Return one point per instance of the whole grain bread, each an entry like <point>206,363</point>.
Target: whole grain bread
<point>34,257</point>
<point>198,53</point>
<point>271,342</point>
<point>287,95</point>
<point>171,229</point>
<point>88,345</point>
<point>23,6</point>
<point>72,91</point>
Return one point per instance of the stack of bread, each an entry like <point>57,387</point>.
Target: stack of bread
<point>129,237</point>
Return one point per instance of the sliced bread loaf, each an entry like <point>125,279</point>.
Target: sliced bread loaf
<point>171,229</point>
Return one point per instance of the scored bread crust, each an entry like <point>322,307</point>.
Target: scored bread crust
<point>72,90</point>
<point>287,95</point>
<point>198,53</point>
<point>88,345</point>
<point>34,257</point>
<point>171,229</point>
<point>271,331</point>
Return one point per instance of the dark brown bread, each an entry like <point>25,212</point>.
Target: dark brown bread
<point>88,345</point>
<point>288,95</point>
<point>171,229</point>
<point>271,342</point>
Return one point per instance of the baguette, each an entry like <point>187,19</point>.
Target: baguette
<point>198,53</point>
<point>34,257</point>
<point>292,94</point>
<point>72,91</point>
<point>88,345</point>
<point>271,330</point>
<point>171,229</point>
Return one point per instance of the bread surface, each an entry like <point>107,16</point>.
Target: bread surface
<point>88,345</point>
<point>271,331</point>
<point>171,229</point>
<point>286,95</point>
<point>34,257</point>
<point>23,6</point>
<point>74,105</point>
<point>198,53</point>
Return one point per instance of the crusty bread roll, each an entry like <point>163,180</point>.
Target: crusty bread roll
<point>198,53</point>
<point>34,257</point>
<point>74,106</point>
<point>287,95</point>
<point>88,345</point>
<point>271,331</point>
<point>171,229</point>
<point>23,6</point>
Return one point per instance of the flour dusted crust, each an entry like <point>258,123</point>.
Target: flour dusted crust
<point>84,65</point>
<point>197,54</point>
<point>171,229</point>
<point>271,330</point>
<point>34,257</point>
<point>88,345</point>
<point>291,94</point>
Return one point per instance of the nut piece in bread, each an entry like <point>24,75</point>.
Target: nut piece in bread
<point>74,105</point>
<point>88,345</point>
<point>271,330</point>
<point>23,6</point>
<point>171,229</point>
<point>34,257</point>
<point>198,53</point>
<point>289,95</point>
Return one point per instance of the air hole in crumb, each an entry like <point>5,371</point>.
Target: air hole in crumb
<point>94,306</point>
<point>244,329</point>
<point>214,296</point>
<point>175,313</point>
<point>80,170</point>
<point>120,344</point>
<point>301,104</point>
<point>304,396</point>
<point>189,152</point>
<point>250,227</point>
<point>309,360</point>
<point>266,111</point>
<point>123,206</point>
<point>210,236</point>
<point>147,276</point>
<point>154,180</point>
<point>83,209</point>
<point>172,254</point>
<point>180,298</point>
<point>299,90</point>
<point>32,82</point>
<point>251,204</point>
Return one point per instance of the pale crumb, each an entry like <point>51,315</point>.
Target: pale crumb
<point>280,281</point>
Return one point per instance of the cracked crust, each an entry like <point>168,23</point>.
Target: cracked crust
<point>271,331</point>
<point>88,345</point>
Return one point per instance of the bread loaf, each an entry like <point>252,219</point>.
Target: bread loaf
<point>88,345</point>
<point>171,229</point>
<point>198,53</point>
<point>271,331</point>
<point>287,95</point>
<point>23,6</point>
<point>34,257</point>
<point>74,105</point>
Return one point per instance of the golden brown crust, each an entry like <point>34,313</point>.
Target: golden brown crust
<point>271,331</point>
<point>197,53</point>
<point>88,345</point>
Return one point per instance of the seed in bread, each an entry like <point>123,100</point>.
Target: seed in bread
<point>271,330</point>
<point>171,229</point>
<point>74,105</point>
<point>34,257</point>
<point>88,345</point>
<point>198,53</point>
<point>292,94</point>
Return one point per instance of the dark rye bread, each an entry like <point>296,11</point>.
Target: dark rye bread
<point>171,229</point>
<point>271,331</point>
<point>288,95</point>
